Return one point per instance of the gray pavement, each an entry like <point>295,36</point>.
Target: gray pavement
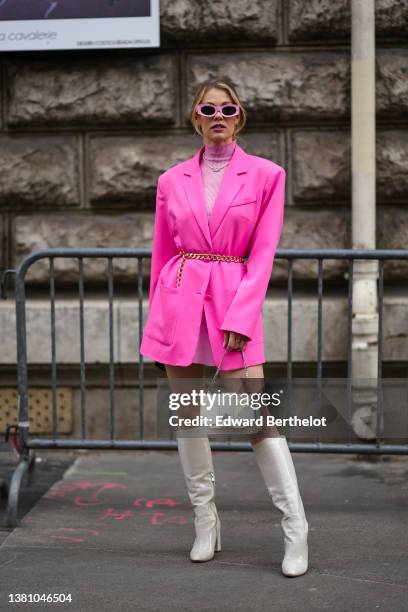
<point>50,467</point>
<point>115,532</point>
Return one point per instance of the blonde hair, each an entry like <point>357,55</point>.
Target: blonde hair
<point>218,84</point>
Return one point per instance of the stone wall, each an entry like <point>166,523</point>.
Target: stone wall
<point>84,135</point>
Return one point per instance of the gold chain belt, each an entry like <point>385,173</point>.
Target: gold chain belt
<point>212,256</point>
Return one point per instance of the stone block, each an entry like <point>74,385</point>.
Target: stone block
<point>392,166</point>
<point>35,232</point>
<point>318,20</point>
<point>125,169</point>
<point>92,90</point>
<point>242,20</point>
<point>392,84</point>
<point>273,86</point>
<point>317,229</point>
<point>321,167</point>
<point>324,20</point>
<point>391,19</point>
<point>67,331</point>
<point>126,419</point>
<point>395,327</point>
<point>268,144</point>
<point>392,233</point>
<point>39,171</point>
<point>304,328</point>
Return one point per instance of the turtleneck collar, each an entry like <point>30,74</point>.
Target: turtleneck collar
<point>219,152</point>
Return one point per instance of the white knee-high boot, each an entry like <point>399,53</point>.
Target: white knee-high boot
<point>275,462</point>
<point>196,462</point>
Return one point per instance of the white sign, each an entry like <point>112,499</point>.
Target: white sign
<point>31,25</point>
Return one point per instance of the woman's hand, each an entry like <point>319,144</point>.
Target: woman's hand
<point>235,341</point>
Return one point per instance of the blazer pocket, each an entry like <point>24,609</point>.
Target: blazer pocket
<point>250,199</point>
<point>244,207</point>
<point>165,313</point>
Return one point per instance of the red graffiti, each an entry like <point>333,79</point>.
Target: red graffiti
<point>117,515</point>
<point>94,532</point>
<point>92,500</point>
<point>96,496</point>
<point>84,486</point>
<point>69,487</point>
<point>151,503</point>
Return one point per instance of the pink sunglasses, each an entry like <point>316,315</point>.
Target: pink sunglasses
<point>209,110</point>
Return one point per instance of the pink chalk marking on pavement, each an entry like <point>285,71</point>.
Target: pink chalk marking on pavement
<point>94,532</point>
<point>85,485</point>
<point>160,501</point>
<point>118,515</point>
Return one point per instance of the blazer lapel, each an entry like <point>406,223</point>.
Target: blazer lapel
<point>231,184</point>
<point>194,188</point>
<point>232,181</point>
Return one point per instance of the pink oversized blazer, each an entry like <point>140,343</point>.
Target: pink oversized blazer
<point>246,221</point>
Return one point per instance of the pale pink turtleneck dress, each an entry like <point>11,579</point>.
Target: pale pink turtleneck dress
<point>218,156</point>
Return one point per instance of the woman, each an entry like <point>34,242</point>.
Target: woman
<point>212,211</point>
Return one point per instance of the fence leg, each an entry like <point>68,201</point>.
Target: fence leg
<point>25,465</point>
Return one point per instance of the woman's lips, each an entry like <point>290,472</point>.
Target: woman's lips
<point>218,127</point>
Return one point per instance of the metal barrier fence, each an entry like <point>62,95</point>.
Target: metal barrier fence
<point>27,443</point>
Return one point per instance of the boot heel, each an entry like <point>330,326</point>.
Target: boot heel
<point>218,540</point>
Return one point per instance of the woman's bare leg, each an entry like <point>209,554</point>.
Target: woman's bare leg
<point>274,460</point>
<point>255,384</point>
<point>198,469</point>
<point>179,379</point>
<point>195,370</point>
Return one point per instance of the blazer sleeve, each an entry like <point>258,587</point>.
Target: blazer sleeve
<point>163,246</point>
<point>246,306</point>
